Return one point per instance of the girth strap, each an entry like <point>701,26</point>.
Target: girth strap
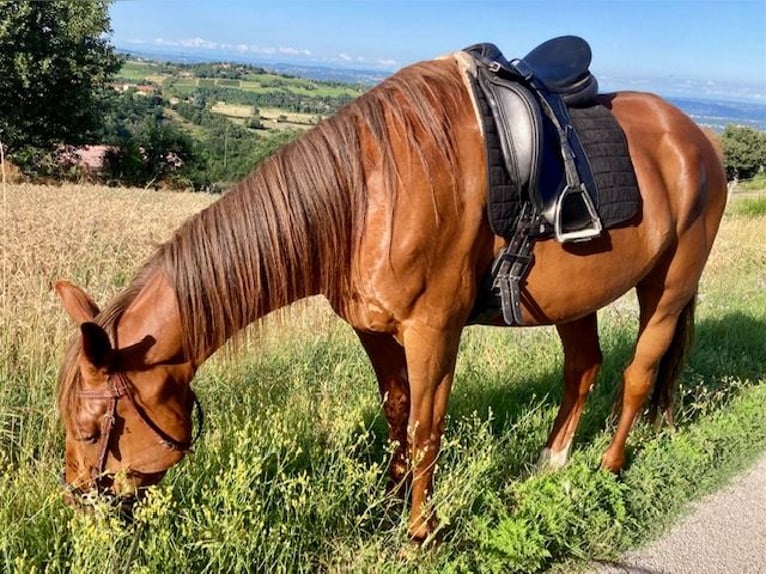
<point>512,265</point>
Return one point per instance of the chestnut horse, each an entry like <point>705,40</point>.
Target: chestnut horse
<point>383,210</point>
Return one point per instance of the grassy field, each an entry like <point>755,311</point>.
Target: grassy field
<point>272,118</point>
<point>290,472</point>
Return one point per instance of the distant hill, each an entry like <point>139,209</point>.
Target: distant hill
<point>309,72</point>
<point>716,115</point>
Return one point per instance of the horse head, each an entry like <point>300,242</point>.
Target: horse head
<point>125,400</point>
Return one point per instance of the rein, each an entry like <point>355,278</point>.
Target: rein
<point>119,386</point>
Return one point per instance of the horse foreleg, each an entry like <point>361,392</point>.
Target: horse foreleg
<point>390,365</point>
<point>582,360</point>
<point>431,355</point>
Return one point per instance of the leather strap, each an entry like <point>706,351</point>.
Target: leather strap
<point>118,386</point>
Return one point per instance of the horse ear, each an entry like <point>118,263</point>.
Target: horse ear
<point>95,345</point>
<point>76,302</point>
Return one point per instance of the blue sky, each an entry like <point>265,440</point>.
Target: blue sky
<point>711,48</point>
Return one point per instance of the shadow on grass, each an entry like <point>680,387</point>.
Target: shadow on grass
<point>726,349</point>
<point>729,348</point>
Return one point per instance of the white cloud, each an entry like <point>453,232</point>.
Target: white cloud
<point>261,50</point>
<point>198,43</point>
<point>202,43</point>
<point>295,51</point>
<point>388,63</point>
<point>164,42</point>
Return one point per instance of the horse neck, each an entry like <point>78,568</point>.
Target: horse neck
<point>283,233</point>
<point>150,326</point>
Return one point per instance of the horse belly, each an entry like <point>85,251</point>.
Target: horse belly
<point>569,281</point>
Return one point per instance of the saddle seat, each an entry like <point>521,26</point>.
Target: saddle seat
<point>560,65</point>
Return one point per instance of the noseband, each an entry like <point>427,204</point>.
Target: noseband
<point>119,385</point>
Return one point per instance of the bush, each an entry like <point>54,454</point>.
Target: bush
<point>744,151</point>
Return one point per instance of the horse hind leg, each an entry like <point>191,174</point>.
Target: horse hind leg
<point>582,360</point>
<point>667,320</point>
<point>390,366</point>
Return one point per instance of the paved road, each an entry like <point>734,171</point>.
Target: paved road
<point>724,533</point>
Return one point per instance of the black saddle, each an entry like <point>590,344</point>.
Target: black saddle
<point>528,99</point>
<point>540,180</point>
<point>560,65</point>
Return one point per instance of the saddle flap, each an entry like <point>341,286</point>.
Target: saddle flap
<point>519,125</point>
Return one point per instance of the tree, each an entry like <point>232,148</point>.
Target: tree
<point>55,60</point>
<point>150,154</point>
<point>744,151</point>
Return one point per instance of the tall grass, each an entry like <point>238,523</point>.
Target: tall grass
<point>290,474</point>
<point>750,206</point>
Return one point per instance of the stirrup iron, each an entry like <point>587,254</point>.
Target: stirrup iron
<point>593,228</point>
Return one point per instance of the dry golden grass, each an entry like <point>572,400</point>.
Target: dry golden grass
<point>97,237</point>
<point>94,236</point>
<point>232,110</point>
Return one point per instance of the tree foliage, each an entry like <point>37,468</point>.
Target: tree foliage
<point>55,59</point>
<point>744,151</point>
<point>282,98</point>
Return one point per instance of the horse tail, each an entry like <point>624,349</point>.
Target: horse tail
<point>671,364</point>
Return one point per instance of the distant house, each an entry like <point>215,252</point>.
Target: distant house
<point>141,89</point>
<point>89,159</point>
<point>121,87</point>
<point>146,89</point>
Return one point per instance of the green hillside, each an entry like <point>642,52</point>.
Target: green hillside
<point>220,119</point>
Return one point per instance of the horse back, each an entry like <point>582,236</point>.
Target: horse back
<point>673,155</point>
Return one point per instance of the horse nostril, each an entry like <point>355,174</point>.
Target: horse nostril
<point>70,499</point>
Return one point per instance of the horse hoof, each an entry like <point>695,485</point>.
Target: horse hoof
<point>612,464</point>
<point>423,533</point>
<point>552,460</point>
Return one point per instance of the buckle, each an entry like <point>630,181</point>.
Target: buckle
<point>522,68</point>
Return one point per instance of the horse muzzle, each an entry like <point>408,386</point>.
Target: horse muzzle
<point>119,492</point>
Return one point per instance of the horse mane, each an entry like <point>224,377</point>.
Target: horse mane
<point>289,229</point>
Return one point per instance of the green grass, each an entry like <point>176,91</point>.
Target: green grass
<point>749,206</point>
<point>137,71</point>
<point>274,83</point>
<point>290,473</point>
<point>757,183</point>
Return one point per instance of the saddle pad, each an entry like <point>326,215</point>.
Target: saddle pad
<point>604,143</point>
<point>504,197</point>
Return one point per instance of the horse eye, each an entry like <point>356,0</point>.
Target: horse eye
<point>89,438</point>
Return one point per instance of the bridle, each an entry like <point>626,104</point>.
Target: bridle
<point>119,386</point>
